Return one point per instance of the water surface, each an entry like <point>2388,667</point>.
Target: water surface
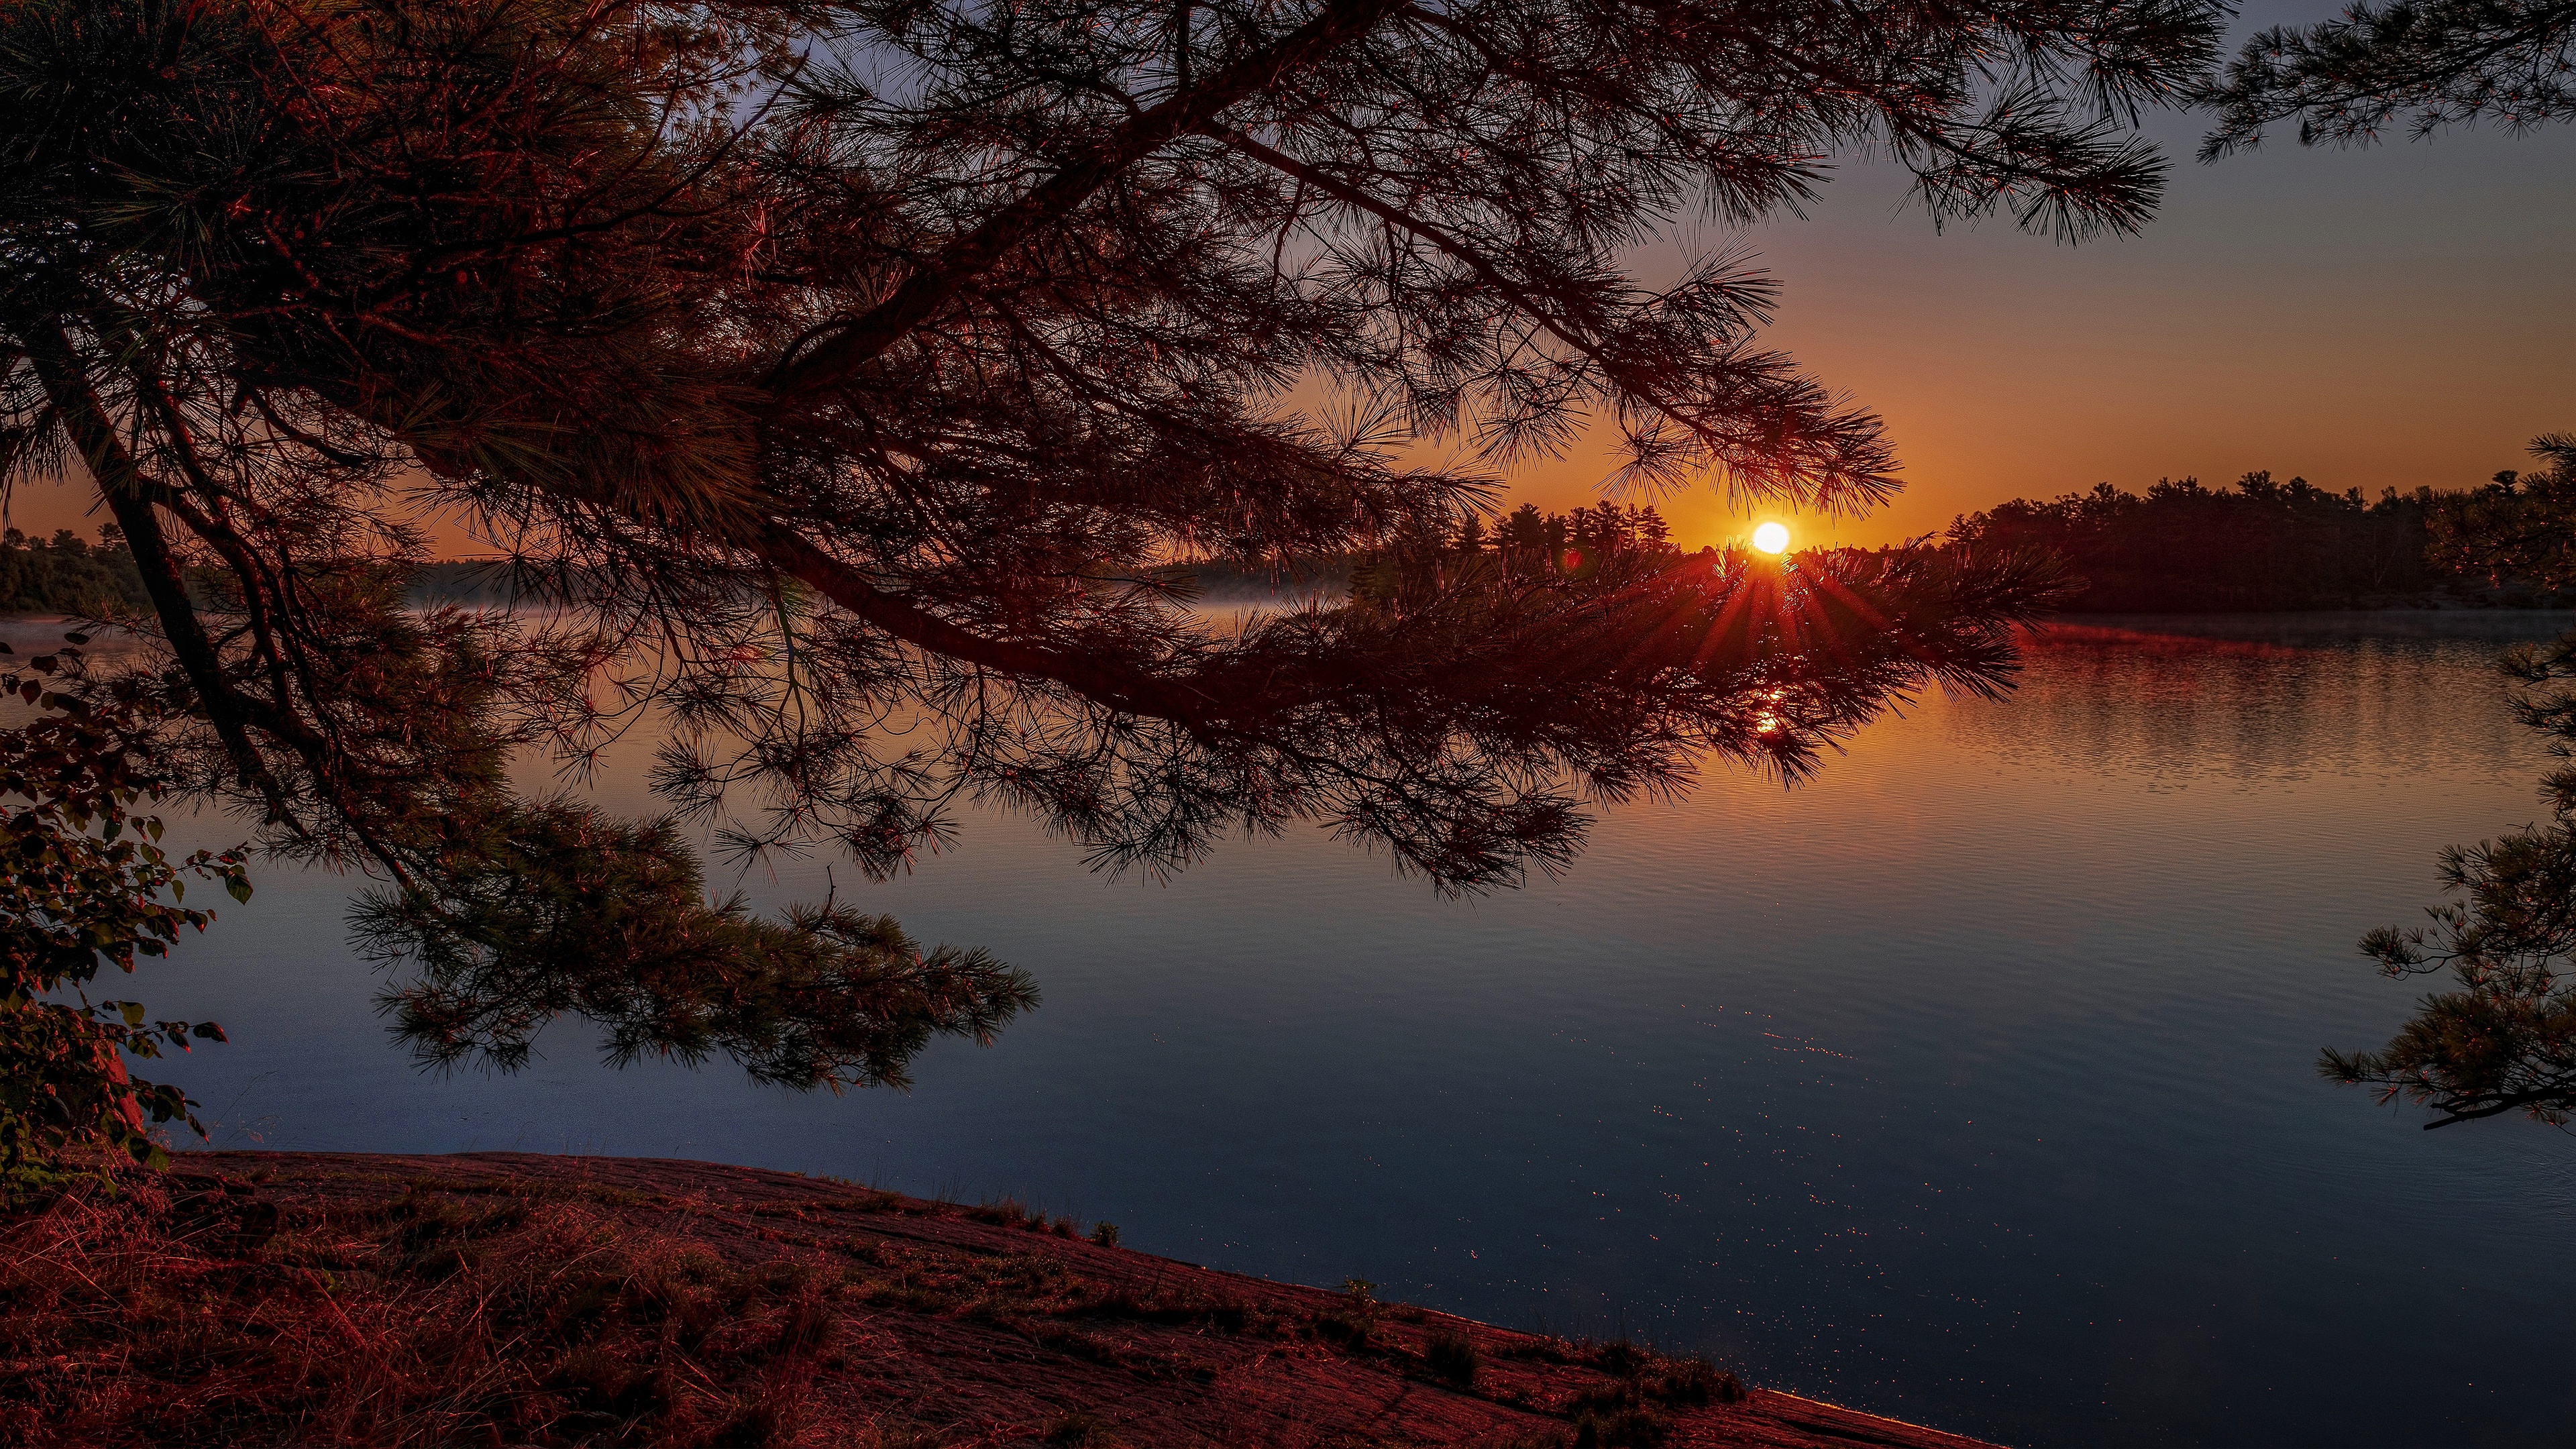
<point>1972,1083</point>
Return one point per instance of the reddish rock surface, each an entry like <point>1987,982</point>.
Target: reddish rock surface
<point>924,1323</point>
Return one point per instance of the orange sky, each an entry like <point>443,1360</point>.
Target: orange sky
<point>2386,318</point>
<point>2374,319</point>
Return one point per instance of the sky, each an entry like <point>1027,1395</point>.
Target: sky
<point>2395,317</point>
<point>2385,318</point>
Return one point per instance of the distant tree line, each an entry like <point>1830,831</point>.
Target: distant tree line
<point>1524,546</point>
<point>1526,540</point>
<point>2258,545</point>
<point>67,574</point>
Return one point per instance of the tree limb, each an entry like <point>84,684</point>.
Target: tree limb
<point>1190,110</point>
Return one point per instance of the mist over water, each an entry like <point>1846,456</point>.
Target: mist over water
<point>1971,1083</point>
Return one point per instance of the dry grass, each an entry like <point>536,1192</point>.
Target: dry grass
<point>356,1300</point>
<point>436,1319</point>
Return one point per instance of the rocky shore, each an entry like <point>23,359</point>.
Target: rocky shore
<point>502,1298</point>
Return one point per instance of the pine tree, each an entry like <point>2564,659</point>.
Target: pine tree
<point>1524,537</point>
<point>2410,65</point>
<point>2520,527</point>
<point>2502,1038</point>
<point>845,361</point>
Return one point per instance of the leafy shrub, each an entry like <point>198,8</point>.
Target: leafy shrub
<point>82,880</point>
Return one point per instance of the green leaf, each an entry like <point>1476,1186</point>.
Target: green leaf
<point>132,1011</point>
<point>238,887</point>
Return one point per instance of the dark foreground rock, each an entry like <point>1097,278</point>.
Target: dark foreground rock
<point>503,1298</point>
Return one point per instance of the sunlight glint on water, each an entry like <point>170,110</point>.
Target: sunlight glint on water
<point>1971,1083</point>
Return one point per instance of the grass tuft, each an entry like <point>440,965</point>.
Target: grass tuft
<point>1624,1415</point>
<point>1451,1357</point>
<point>1696,1381</point>
<point>1620,1429</point>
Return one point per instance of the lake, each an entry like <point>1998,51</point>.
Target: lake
<point>1971,1083</point>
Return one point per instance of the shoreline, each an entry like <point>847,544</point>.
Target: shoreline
<point>824,1313</point>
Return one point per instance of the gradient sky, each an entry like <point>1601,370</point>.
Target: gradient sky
<point>2384,318</point>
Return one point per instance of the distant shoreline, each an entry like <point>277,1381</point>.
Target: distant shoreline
<point>2393,606</point>
<point>2426,606</point>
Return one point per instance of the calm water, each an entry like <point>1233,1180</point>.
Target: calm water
<point>1971,1083</point>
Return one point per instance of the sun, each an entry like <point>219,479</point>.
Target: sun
<point>1772,538</point>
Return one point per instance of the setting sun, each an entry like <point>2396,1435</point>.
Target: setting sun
<point>1772,538</point>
